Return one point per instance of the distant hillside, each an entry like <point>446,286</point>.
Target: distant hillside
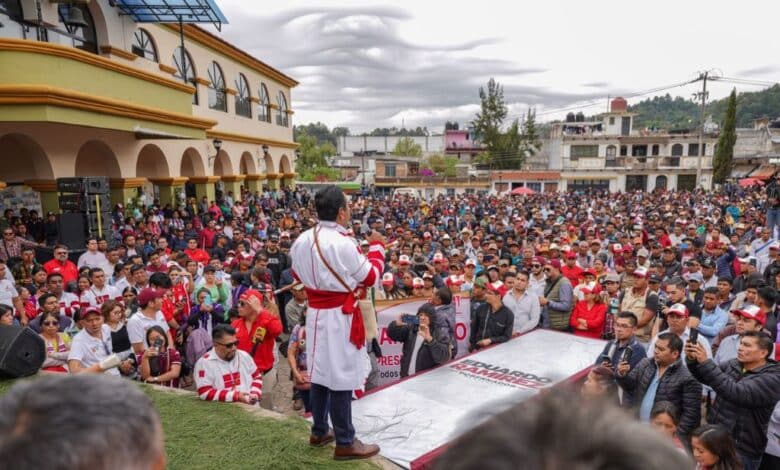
<point>665,112</point>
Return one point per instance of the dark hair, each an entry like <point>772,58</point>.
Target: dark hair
<point>220,331</point>
<point>445,295</point>
<point>675,343</point>
<point>726,279</point>
<point>711,290</point>
<point>160,331</point>
<point>718,441</point>
<point>53,275</point>
<point>137,267</point>
<point>43,316</point>
<point>328,201</point>
<point>428,310</point>
<point>129,289</point>
<point>676,282</point>
<point>95,270</point>
<point>5,309</point>
<point>768,295</point>
<point>764,341</point>
<point>666,407</point>
<point>630,316</point>
<point>532,433</point>
<point>92,432</point>
<point>107,306</point>
<point>160,280</point>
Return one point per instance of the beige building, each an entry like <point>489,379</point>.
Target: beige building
<point>94,93</point>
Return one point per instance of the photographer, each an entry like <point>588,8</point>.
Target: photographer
<point>424,345</point>
<point>160,363</point>
<point>493,322</point>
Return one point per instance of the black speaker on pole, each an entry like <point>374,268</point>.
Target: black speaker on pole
<point>22,351</point>
<point>84,185</point>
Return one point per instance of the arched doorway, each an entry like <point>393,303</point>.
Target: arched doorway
<point>269,164</point>
<point>151,163</point>
<point>95,158</point>
<point>284,165</point>
<point>247,165</point>
<point>191,165</point>
<point>29,159</point>
<point>660,182</point>
<point>222,164</point>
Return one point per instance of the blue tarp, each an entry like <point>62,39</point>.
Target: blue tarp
<point>172,11</point>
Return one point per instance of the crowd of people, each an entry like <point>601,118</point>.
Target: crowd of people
<point>682,285</point>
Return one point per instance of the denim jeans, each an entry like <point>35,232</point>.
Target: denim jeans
<point>772,220</point>
<point>337,404</point>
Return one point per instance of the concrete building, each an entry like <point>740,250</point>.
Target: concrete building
<point>384,145</point>
<point>98,92</point>
<point>757,150</point>
<point>608,154</point>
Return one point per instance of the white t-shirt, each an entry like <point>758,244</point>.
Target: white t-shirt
<point>8,292</point>
<point>89,350</point>
<point>139,323</point>
<point>94,297</point>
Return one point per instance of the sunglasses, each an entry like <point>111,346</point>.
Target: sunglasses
<point>51,323</point>
<point>536,265</point>
<point>8,233</point>
<point>228,345</point>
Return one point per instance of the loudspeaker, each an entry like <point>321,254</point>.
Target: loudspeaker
<point>22,351</point>
<point>75,227</point>
<point>83,184</point>
<point>83,203</point>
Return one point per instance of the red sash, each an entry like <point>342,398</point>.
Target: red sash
<point>349,306</point>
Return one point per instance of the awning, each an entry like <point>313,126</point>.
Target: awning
<point>764,172</point>
<point>173,11</point>
<point>742,171</point>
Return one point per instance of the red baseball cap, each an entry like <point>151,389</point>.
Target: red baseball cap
<point>752,312</point>
<point>679,310</point>
<point>148,294</point>
<point>249,293</point>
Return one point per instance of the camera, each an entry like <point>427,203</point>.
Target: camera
<point>411,320</point>
<point>694,337</point>
<point>158,343</point>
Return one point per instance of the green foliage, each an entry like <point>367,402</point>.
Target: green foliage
<point>396,132</point>
<point>530,135</point>
<point>314,160</point>
<point>318,130</point>
<point>751,105</point>
<point>318,173</point>
<point>723,160</point>
<point>441,165</point>
<point>665,112</point>
<point>406,146</point>
<point>488,121</point>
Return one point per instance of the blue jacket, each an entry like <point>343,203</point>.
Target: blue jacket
<point>711,323</point>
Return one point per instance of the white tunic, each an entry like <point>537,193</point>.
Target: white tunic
<point>333,361</point>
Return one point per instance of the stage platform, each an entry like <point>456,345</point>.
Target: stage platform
<point>414,419</point>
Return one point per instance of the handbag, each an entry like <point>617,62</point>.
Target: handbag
<point>366,306</point>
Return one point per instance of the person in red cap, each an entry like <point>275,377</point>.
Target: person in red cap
<point>587,318</point>
<point>493,322</point>
<point>336,275</point>
<point>256,332</point>
<point>571,270</point>
<point>749,318</point>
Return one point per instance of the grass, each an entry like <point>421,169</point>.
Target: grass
<point>200,435</point>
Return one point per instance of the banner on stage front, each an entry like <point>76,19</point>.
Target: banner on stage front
<point>390,362</point>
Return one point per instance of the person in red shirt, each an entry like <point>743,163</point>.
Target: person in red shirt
<point>196,254</point>
<point>571,271</point>
<point>208,234</point>
<point>587,318</point>
<point>256,332</point>
<point>62,265</point>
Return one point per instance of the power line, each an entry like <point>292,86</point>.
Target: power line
<point>744,81</point>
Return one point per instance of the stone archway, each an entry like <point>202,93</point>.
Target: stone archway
<point>192,163</point>
<point>152,163</point>
<point>222,164</point>
<point>30,161</point>
<point>247,164</point>
<point>269,163</point>
<point>95,158</point>
<point>284,165</point>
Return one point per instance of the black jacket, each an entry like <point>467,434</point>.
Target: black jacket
<point>744,401</point>
<point>677,385</point>
<point>496,326</point>
<point>430,355</point>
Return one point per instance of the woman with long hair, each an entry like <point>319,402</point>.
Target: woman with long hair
<point>665,417</point>
<point>160,363</point>
<point>587,318</point>
<point>714,449</point>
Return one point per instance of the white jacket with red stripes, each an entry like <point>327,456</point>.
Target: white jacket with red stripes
<point>220,380</point>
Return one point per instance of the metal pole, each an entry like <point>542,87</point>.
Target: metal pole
<point>701,128</point>
<point>181,40</point>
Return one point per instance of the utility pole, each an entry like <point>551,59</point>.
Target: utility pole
<point>703,96</point>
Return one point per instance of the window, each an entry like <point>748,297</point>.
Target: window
<point>389,171</point>
<point>639,151</point>
<point>281,115</point>
<point>612,120</point>
<point>185,69</point>
<point>536,186</point>
<point>11,18</point>
<point>623,150</point>
<point>677,150</point>
<point>243,101</point>
<point>656,150</point>
<point>217,92</point>
<point>611,151</point>
<point>80,37</point>
<point>143,46</point>
<point>264,110</point>
<point>693,150</point>
<point>583,151</point>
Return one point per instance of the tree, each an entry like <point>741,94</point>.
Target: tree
<point>441,165</point>
<point>406,146</point>
<point>530,137</point>
<point>493,111</point>
<point>723,160</point>
<point>340,131</point>
<point>451,126</point>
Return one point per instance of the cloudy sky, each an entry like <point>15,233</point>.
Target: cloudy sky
<point>366,64</point>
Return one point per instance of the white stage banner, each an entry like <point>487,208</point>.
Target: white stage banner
<point>390,362</point>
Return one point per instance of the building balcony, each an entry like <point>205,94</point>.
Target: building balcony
<point>92,91</point>
<point>428,181</point>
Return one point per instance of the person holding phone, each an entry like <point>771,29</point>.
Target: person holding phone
<point>677,319</point>
<point>424,344</point>
<point>160,363</point>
